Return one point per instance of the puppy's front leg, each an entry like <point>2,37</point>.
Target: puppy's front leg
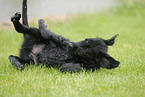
<point>49,35</point>
<point>70,67</point>
<point>45,33</point>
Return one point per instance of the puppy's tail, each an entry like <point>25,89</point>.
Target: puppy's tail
<point>24,13</point>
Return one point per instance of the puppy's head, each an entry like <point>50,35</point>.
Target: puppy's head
<point>94,51</point>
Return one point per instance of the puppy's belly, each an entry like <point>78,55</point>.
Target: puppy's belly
<point>37,49</point>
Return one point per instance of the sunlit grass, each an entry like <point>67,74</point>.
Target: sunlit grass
<point>128,80</point>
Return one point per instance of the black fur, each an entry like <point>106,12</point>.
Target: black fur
<point>45,47</point>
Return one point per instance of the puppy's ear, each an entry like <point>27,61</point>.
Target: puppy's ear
<point>107,61</point>
<point>111,40</point>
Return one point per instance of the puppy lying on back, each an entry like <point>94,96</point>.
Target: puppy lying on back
<point>41,46</point>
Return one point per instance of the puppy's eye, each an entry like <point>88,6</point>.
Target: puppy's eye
<point>86,40</point>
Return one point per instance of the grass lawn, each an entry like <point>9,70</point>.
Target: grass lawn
<point>128,80</point>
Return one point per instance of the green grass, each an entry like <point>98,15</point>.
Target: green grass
<point>128,80</point>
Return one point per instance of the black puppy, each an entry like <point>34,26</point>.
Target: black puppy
<point>45,47</point>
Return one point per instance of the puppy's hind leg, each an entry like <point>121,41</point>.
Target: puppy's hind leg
<point>21,28</point>
<point>16,61</point>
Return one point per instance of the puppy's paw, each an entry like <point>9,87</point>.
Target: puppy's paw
<point>19,66</point>
<point>70,67</point>
<point>16,17</point>
<point>15,62</point>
